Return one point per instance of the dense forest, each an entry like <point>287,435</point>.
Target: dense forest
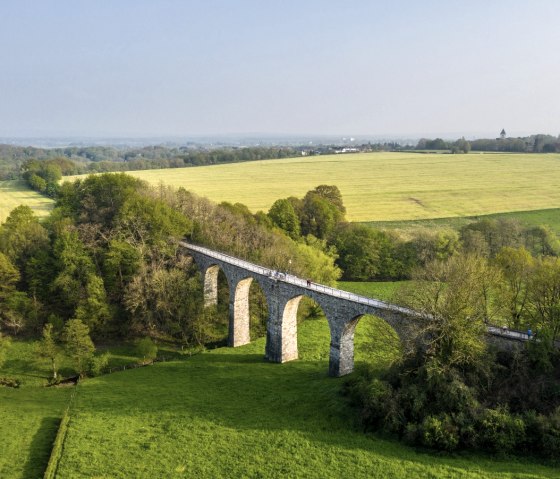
<point>108,256</point>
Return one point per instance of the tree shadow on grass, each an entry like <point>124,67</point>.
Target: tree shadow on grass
<point>20,367</point>
<point>40,447</point>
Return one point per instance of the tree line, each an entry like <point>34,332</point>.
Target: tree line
<point>527,144</point>
<point>16,160</point>
<point>364,253</point>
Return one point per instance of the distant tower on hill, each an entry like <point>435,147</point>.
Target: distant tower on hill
<point>502,134</point>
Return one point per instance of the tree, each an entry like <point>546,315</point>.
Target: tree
<point>544,298</point>
<point>9,276</point>
<point>93,308</point>
<point>431,246</point>
<point>321,211</point>
<point>332,194</point>
<point>121,263</point>
<point>148,222</point>
<point>359,248</point>
<point>541,241</point>
<point>75,267</point>
<point>79,345</point>
<point>452,301</point>
<point>48,347</point>
<point>37,183</point>
<point>98,199</point>
<point>461,146</point>
<point>21,236</point>
<point>158,299</point>
<point>516,265</point>
<point>17,307</point>
<point>283,215</point>
<point>319,216</point>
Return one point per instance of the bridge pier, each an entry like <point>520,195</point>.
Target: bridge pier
<point>281,327</point>
<point>239,318</point>
<point>341,356</point>
<point>211,285</point>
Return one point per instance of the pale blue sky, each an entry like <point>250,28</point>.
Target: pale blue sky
<point>167,68</point>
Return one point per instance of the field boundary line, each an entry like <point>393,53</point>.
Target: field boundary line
<point>60,439</point>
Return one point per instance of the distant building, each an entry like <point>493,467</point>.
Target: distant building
<point>502,134</point>
<point>347,150</point>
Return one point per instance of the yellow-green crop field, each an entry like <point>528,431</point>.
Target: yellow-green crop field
<point>385,186</point>
<point>15,193</point>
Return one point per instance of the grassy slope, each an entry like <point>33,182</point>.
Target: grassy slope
<point>227,413</point>
<point>385,186</point>
<point>29,415</point>
<point>15,193</point>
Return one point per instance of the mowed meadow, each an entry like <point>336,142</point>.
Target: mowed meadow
<point>228,413</point>
<point>15,192</point>
<point>384,186</point>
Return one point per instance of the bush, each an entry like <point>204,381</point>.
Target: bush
<point>54,381</point>
<point>439,432</point>
<point>376,395</point>
<point>146,348</point>
<point>500,431</point>
<point>551,435</point>
<point>98,364</point>
<point>10,382</point>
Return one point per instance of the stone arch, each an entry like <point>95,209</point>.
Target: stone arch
<point>343,359</point>
<point>259,308</point>
<point>289,330</point>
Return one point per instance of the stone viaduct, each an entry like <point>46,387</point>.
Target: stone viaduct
<point>283,293</point>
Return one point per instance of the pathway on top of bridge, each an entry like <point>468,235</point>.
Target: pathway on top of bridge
<point>289,278</point>
<point>338,293</point>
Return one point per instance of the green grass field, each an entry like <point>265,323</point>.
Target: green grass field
<point>228,413</point>
<point>549,217</point>
<point>30,415</point>
<point>385,186</point>
<point>15,193</point>
<point>383,290</point>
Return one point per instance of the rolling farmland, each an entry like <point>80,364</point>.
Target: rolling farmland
<point>15,193</point>
<point>385,186</point>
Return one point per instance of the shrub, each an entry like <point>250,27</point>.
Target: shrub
<point>501,431</point>
<point>551,435</point>
<point>10,382</point>
<point>98,364</point>
<point>146,348</point>
<point>439,432</point>
<point>375,397</point>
